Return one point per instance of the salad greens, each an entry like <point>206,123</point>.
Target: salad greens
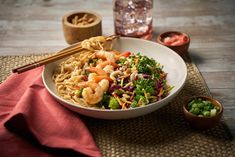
<point>143,82</point>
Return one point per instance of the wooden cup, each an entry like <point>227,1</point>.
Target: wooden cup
<point>75,32</point>
<point>180,49</point>
<point>202,122</point>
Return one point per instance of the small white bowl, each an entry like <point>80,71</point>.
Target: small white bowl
<point>173,65</point>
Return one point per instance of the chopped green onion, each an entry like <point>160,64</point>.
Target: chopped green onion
<point>202,108</point>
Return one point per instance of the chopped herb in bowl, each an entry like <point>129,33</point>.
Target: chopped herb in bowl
<point>202,108</point>
<point>202,112</point>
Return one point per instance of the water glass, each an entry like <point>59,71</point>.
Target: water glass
<point>133,18</point>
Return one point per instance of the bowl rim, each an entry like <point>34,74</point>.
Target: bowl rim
<point>160,37</point>
<point>212,100</point>
<point>119,110</point>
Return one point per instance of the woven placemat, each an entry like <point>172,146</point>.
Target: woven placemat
<point>161,133</point>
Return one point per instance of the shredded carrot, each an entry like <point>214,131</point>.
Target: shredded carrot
<point>160,92</point>
<point>123,105</point>
<point>146,96</point>
<point>122,82</point>
<point>132,96</point>
<point>163,75</point>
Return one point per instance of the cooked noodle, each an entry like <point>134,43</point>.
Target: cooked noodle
<point>73,70</point>
<point>101,77</point>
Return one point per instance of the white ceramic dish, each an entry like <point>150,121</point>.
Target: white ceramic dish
<point>173,65</point>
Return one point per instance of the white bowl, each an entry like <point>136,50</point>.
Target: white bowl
<point>173,65</point>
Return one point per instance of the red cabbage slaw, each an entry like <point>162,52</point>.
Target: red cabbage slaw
<point>139,81</point>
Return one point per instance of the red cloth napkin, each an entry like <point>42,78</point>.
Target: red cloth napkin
<point>32,123</point>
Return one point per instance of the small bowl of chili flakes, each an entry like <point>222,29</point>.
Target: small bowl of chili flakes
<point>177,41</point>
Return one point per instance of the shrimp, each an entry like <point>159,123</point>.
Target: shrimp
<point>81,85</point>
<point>101,77</point>
<point>108,69</point>
<point>91,76</point>
<point>92,94</point>
<point>98,78</point>
<point>111,56</point>
<point>105,55</point>
<point>114,74</point>
<point>103,64</point>
<point>104,84</point>
<point>97,70</point>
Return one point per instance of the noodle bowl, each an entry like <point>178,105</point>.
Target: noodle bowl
<point>117,86</point>
<point>106,78</point>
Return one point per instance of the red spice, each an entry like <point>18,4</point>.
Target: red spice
<point>175,39</point>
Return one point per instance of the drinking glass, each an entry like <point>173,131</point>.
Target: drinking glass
<point>133,18</point>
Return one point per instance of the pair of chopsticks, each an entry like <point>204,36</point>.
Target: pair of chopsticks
<point>61,54</point>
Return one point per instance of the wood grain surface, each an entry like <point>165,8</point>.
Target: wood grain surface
<point>35,27</point>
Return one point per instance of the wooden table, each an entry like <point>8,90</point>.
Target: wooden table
<point>34,27</point>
